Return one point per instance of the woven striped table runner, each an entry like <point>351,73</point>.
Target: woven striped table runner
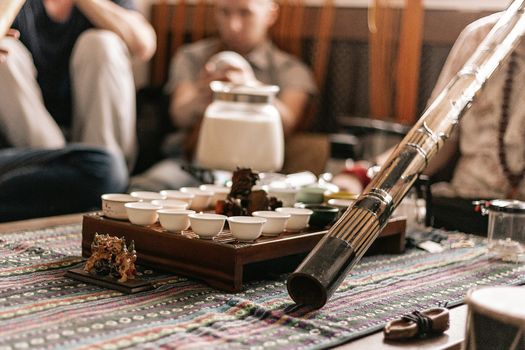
<point>40,308</point>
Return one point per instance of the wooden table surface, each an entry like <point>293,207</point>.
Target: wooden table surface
<point>451,339</point>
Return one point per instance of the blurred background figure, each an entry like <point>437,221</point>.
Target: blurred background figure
<point>243,27</point>
<point>67,104</point>
<point>487,153</point>
<point>47,182</point>
<point>485,157</point>
<point>490,143</point>
<point>69,77</point>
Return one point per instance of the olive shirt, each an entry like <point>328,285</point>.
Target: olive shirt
<point>270,65</point>
<point>478,173</point>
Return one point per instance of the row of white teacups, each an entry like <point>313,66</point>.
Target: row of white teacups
<point>170,208</point>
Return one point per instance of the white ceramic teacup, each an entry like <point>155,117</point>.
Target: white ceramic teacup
<point>299,218</point>
<point>142,213</point>
<point>147,196</point>
<point>275,222</point>
<point>170,203</point>
<point>246,228</point>
<point>201,199</point>
<point>175,220</point>
<point>207,226</point>
<point>178,195</point>
<point>113,205</point>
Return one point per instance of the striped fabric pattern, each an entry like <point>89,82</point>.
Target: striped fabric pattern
<point>42,309</point>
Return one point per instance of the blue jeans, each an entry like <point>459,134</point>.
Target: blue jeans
<point>43,182</point>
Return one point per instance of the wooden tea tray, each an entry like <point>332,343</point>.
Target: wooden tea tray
<point>223,262</point>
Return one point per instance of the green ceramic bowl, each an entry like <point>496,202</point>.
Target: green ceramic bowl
<point>311,195</point>
<point>323,215</point>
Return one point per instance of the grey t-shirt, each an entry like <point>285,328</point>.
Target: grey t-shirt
<point>270,65</point>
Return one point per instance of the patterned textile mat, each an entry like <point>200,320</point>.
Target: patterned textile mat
<point>40,308</point>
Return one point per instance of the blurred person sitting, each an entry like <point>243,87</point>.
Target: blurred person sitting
<point>489,146</point>
<point>243,27</point>
<point>69,77</point>
<point>38,182</point>
<point>490,140</point>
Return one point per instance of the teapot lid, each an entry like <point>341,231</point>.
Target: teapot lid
<point>251,93</point>
<point>507,206</point>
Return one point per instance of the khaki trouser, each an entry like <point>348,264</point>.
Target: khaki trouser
<point>103,97</point>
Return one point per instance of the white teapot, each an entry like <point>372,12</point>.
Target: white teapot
<point>241,128</point>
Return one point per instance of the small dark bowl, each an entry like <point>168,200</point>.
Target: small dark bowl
<point>323,216</point>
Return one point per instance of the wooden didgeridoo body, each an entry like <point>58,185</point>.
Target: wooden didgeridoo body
<point>8,11</point>
<point>323,270</point>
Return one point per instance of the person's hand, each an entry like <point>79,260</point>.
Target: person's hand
<point>227,73</point>
<point>13,33</point>
<point>231,73</point>
<point>209,74</point>
<point>231,67</point>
